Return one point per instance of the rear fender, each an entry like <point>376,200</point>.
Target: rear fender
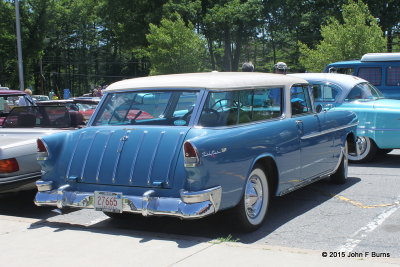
<point>351,142</point>
<point>267,161</point>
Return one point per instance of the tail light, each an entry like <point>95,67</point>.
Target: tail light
<point>42,150</point>
<point>191,155</point>
<point>9,165</point>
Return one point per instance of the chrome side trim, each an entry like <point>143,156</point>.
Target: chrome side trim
<point>134,158</point>
<point>87,155</point>
<point>18,178</point>
<point>316,178</point>
<point>327,131</point>
<point>121,145</point>
<point>102,155</point>
<point>73,154</point>
<point>153,157</point>
<point>190,205</point>
<point>378,129</point>
<point>175,155</point>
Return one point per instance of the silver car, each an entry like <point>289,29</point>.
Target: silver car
<point>18,134</point>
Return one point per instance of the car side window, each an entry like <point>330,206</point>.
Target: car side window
<point>300,100</point>
<point>342,70</point>
<point>393,76</point>
<point>239,107</point>
<point>325,92</point>
<point>373,75</point>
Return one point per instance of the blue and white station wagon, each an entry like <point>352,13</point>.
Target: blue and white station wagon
<point>190,145</point>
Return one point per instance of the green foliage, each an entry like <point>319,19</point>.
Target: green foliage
<point>228,238</point>
<point>8,74</point>
<point>358,34</point>
<point>230,25</point>
<point>78,44</point>
<point>175,48</point>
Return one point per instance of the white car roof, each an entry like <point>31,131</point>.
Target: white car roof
<point>343,80</point>
<point>207,80</point>
<point>374,57</point>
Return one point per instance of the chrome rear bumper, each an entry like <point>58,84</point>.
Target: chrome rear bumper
<point>190,205</point>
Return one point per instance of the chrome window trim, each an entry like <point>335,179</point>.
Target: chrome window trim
<point>327,131</point>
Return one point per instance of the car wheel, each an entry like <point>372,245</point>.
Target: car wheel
<point>340,176</point>
<point>252,208</point>
<point>366,148</point>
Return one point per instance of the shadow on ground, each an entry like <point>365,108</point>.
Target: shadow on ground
<point>391,160</point>
<point>219,226</point>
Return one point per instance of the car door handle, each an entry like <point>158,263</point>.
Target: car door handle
<point>300,126</point>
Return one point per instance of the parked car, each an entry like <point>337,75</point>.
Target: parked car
<point>380,69</point>
<point>23,125</point>
<point>84,105</point>
<point>213,141</point>
<point>8,100</point>
<point>379,118</point>
<point>38,98</point>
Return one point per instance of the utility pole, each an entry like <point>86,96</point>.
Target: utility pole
<point>20,64</point>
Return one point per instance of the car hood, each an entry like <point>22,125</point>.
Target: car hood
<point>143,156</point>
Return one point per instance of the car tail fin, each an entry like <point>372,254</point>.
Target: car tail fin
<point>42,150</point>
<point>191,155</point>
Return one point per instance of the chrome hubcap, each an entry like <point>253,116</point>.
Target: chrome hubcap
<point>361,144</point>
<point>253,196</point>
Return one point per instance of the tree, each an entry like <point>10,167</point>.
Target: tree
<point>175,48</point>
<point>358,34</point>
<point>388,13</point>
<point>8,63</point>
<point>229,26</point>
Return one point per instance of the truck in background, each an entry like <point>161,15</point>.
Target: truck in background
<point>380,69</point>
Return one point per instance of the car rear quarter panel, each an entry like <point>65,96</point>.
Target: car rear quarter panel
<point>228,154</point>
<point>380,123</point>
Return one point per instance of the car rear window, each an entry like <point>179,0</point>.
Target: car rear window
<point>173,108</point>
<point>363,91</point>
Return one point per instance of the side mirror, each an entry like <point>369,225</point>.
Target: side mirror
<point>318,108</point>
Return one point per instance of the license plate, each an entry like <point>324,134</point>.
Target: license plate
<point>108,201</point>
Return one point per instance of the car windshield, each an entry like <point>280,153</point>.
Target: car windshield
<point>364,92</point>
<point>171,108</point>
<point>36,116</point>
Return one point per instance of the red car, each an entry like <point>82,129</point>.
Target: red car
<point>84,105</point>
